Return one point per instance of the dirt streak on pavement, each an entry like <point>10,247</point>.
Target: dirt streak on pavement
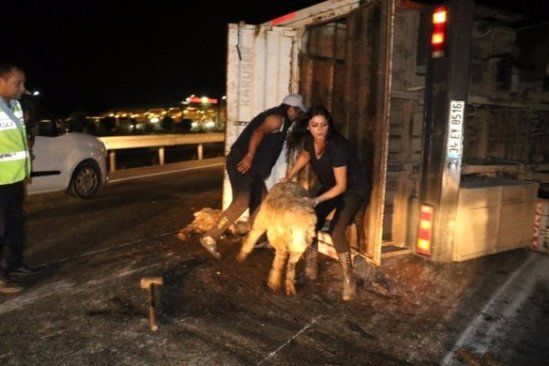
<point>86,306</point>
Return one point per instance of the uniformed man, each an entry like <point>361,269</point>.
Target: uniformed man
<point>14,170</point>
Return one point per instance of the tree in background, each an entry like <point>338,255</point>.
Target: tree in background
<point>167,123</point>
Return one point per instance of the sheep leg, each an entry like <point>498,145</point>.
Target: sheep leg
<point>276,271</point>
<point>290,272</point>
<point>248,244</point>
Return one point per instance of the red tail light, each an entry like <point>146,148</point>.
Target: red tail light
<point>440,15</point>
<point>438,38</point>
<point>425,230</point>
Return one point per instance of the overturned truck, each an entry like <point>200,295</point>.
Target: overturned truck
<point>446,104</point>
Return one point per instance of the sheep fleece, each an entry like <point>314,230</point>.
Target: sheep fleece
<point>287,216</point>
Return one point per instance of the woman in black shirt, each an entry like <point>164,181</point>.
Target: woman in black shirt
<point>344,188</point>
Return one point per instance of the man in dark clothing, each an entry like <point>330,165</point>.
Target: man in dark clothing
<point>250,161</point>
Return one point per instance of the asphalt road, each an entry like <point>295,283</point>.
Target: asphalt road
<point>85,307</point>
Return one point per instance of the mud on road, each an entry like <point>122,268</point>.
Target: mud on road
<point>92,311</point>
<point>86,306</point>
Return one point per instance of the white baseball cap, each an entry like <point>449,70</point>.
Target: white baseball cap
<point>294,100</point>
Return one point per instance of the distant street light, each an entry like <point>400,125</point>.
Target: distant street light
<point>33,93</point>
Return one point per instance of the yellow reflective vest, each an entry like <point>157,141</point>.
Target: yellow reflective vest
<point>14,151</point>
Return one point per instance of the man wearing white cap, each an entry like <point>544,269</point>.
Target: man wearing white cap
<point>251,160</point>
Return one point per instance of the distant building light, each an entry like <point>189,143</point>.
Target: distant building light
<point>203,100</point>
<point>36,93</point>
<point>155,119</point>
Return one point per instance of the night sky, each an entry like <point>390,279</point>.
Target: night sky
<point>90,56</point>
<point>93,55</point>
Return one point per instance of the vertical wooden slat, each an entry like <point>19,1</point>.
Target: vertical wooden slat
<point>272,68</point>
<point>285,43</point>
<point>306,78</point>
<point>368,87</point>
<point>400,202</point>
<point>246,73</point>
<point>260,79</point>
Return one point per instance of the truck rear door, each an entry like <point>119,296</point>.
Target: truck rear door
<point>346,65</point>
<point>367,96</point>
<point>261,62</point>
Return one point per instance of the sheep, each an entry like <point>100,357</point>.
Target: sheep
<point>204,220</point>
<point>287,216</point>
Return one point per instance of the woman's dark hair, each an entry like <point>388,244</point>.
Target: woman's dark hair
<point>295,137</point>
<point>320,110</point>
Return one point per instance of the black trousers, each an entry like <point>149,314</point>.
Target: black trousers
<point>248,192</point>
<point>11,224</point>
<point>346,206</point>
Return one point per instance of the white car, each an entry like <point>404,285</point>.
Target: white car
<point>69,161</point>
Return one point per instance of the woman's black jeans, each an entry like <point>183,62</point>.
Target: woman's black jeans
<point>346,206</point>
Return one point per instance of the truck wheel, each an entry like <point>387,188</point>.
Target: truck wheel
<point>85,181</point>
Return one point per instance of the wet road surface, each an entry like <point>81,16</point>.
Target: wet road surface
<point>86,307</point>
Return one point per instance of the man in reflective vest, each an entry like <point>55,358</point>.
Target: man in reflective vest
<point>14,170</point>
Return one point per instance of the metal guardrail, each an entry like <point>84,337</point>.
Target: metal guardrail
<point>113,143</point>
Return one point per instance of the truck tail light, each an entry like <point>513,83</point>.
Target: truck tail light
<point>439,36</point>
<point>425,230</point>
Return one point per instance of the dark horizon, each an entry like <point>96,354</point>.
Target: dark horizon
<point>90,57</point>
<point>100,55</point>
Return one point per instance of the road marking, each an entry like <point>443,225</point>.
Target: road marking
<point>166,172</point>
<point>273,353</point>
<point>480,333</point>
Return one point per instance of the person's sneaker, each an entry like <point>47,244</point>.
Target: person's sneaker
<point>8,287</point>
<point>22,270</point>
<point>210,245</point>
